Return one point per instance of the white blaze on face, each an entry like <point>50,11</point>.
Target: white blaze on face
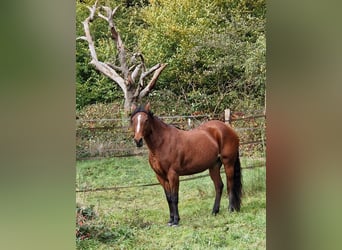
<point>139,121</point>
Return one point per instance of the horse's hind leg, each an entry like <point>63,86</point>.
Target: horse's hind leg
<point>216,178</point>
<point>234,185</point>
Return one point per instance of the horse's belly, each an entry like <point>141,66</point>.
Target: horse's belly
<point>197,160</point>
<point>189,169</point>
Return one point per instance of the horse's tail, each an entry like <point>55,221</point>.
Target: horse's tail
<point>237,186</point>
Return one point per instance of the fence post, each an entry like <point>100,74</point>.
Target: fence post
<point>227,116</point>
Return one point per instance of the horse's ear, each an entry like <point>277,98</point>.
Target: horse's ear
<point>133,107</point>
<point>147,107</point>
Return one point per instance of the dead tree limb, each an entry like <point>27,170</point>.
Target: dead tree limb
<point>123,75</point>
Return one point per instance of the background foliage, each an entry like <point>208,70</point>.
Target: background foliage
<point>215,53</point>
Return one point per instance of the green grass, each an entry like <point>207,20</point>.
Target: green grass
<point>135,218</point>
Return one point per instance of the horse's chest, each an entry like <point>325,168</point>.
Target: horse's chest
<point>158,166</point>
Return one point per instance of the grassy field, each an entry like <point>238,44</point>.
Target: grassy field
<point>136,217</point>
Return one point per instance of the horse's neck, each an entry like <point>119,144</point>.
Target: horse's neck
<point>157,136</point>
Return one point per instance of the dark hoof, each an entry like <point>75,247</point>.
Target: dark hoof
<point>215,212</point>
<point>232,209</point>
<point>172,224</point>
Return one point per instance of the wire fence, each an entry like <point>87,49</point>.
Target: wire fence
<point>85,190</point>
<point>99,138</point>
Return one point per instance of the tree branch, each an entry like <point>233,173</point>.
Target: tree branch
<point>141,81</point>
<point>153,81</point>
<point>143,75</point>
<point>102,67</point>
<point>117,38</point>
<point>81,38</point>
<point>114,67</point>
<point>89,39</point>
<point>135,72</point>
<point>111,73</point>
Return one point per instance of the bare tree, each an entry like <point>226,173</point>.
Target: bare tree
<point>131,79</point>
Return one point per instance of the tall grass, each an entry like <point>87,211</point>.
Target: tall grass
<point>135,218</point>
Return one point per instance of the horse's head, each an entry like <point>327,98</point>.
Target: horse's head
<point>140,122</point>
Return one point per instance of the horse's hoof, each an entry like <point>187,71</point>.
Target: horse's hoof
<point>175,225</point>
<point>169,224</point>
<point>215,213</point>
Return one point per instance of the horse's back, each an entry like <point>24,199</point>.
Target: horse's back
<point>224,134</point>
<point>218,126</point>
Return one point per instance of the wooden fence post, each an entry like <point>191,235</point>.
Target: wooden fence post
<point>227,116</point>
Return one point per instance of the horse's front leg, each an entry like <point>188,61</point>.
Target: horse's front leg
<point>173,179</point>
<point>167,192</point>
<point>174,207</point>
<point>169,202</point>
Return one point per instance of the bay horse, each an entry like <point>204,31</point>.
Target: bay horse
<point>174,152</point>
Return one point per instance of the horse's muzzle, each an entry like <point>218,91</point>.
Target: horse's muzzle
<point>139,143</point>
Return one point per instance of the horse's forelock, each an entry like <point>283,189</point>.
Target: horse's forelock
<point>141,108</point>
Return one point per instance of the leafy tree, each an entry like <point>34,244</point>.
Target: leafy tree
<point>215,51</point>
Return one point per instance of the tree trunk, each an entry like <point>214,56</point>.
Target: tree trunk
<point>129,100</point>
